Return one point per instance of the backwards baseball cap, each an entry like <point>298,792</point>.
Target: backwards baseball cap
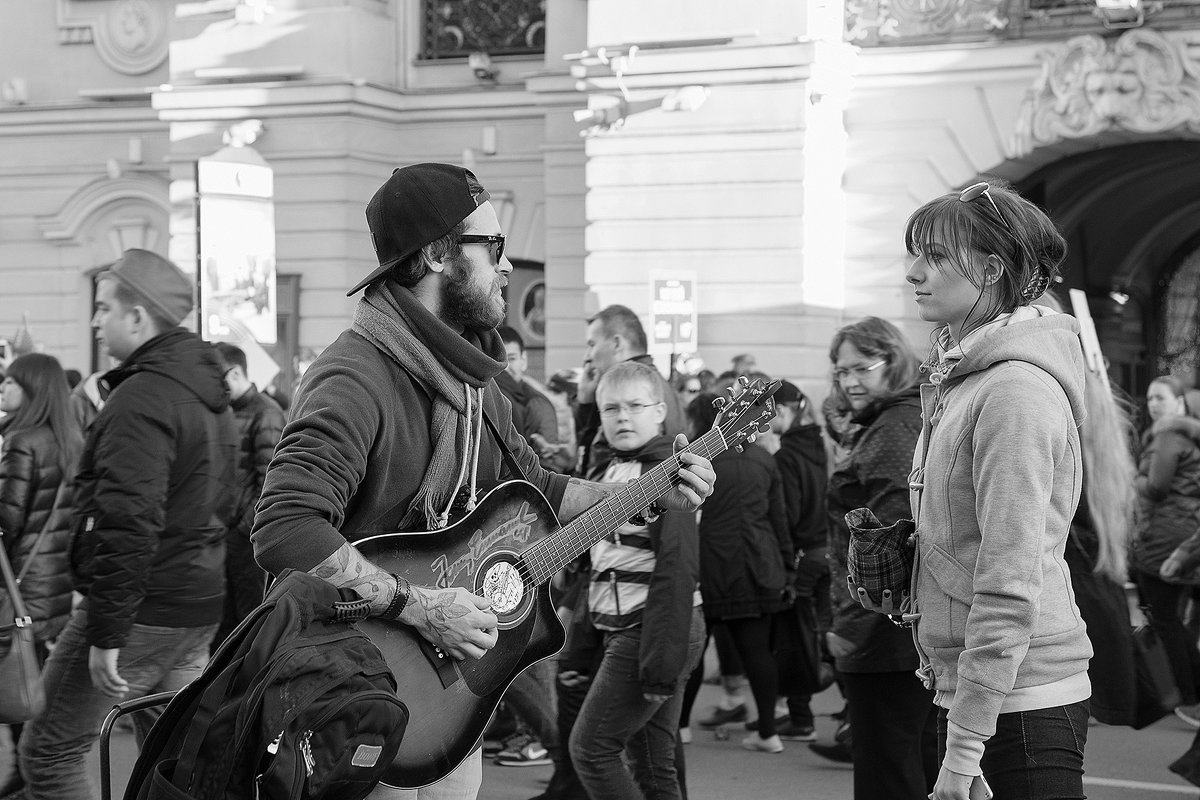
<point>788,392</point>
<point>418,204</point>
<point>165,288</point>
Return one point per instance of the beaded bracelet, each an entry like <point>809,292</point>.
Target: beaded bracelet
<point>399,599</point>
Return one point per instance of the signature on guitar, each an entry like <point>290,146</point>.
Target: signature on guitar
<point>518,528</point>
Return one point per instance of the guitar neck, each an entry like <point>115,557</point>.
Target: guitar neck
<point>544,559</point>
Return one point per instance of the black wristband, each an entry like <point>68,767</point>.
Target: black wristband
<point>399,599</point>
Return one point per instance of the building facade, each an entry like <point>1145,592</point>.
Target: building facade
<point>772,152</point>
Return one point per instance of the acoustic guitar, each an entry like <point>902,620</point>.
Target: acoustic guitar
<point>507,549</point>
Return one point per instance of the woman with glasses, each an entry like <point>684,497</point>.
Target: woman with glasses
<point>891,715</point>
<point>746,567</point>
<point>997,480</point>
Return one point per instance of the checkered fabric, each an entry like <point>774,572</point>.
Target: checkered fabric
<point>880,557</point>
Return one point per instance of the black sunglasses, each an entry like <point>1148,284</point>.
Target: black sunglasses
<point>496,239</point>
<point>982,189</point>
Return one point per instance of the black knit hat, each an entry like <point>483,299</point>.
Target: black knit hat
<point>418,204</point>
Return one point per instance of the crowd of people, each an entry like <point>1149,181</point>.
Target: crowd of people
<point>149,505</point>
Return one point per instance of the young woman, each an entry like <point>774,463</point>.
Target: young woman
<point>891,715</point>
<point>41,444</point>
<point>1168,515</point>
<point>998,478</point>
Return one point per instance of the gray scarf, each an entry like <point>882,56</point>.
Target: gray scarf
<point>456,369</point>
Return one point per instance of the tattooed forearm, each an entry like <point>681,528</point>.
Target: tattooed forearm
<point>347,568</point>
<point>440,608</point>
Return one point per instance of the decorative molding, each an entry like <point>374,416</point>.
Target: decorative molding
<point>875,22</point>
<point>64,227</point>
<point>130,36</point>
<point>1142,82</point>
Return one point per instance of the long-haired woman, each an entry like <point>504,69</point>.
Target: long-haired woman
<point>1097,547</point>
<point>1168,514</point>
<point>40,450</point>
<point>998,479</point>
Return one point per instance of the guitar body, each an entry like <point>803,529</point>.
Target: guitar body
<point>449,701</point>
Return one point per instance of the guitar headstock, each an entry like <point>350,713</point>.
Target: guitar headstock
<point>747,413</point>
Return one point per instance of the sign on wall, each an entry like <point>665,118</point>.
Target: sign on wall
<point>236,231</point>
<point>673,323</point>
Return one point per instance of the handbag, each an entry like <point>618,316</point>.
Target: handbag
<point>1157,692</point>
<point>21,695</point>
<point>880,558</point>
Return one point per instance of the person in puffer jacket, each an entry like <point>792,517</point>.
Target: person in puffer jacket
<point>997,478</point>
<point>37,462</point>
<point>153,496</point>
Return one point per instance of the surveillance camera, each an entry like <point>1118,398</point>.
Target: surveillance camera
<point>481,64</point>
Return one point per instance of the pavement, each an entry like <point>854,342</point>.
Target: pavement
<point>1121,764</point>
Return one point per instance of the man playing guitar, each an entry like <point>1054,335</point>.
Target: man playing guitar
<point>399,417</point>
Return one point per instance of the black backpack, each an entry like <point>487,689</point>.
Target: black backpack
<point>296,704</point>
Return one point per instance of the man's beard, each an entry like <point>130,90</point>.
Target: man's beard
<point>466,304</point>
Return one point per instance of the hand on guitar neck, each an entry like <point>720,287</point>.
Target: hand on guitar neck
<point>452,619</point>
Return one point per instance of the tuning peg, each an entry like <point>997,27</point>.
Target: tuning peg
<point>763,428</point>
<point>739,448</point>
<point>743,381</point>
<point>752,437</point>
<point>719,402</point>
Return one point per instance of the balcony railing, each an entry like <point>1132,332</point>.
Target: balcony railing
<point>457,28</point>
<point>889,23</point>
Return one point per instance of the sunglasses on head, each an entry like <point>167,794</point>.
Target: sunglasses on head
<point>982,189</point>
<point>496,239</point>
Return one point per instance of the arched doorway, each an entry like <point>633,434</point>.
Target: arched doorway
<point>1131,216</point>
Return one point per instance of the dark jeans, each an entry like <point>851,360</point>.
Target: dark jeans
<point>616,719</point>
<point>1035,755</point>
<point>894,725</point>
<point>1164,600</point>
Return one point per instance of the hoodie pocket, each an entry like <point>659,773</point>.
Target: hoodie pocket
<point>958,588</point>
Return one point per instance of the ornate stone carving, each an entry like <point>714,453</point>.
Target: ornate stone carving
<point>1141,82</point>
<point>874,22</point>
<point>130,35</point>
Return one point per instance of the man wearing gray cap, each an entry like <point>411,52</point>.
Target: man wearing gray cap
<point>387,426</point>
<point>153,494</point>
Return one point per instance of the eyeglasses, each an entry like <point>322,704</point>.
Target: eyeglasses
<point>633,409</point>
<point>975,191</point>
<point>496,239</point>
<point>842,373</point>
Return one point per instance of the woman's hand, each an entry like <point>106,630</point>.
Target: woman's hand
<point>951,786</point>
<point>886,606</point>
<point>1172,568</point>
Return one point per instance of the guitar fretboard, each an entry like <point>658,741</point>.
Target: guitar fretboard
<point>545,558</point>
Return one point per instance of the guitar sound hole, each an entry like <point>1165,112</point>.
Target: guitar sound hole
<point>503,585</point>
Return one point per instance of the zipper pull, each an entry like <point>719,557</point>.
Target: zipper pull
<point>273,747</point>
<point>310,763</point>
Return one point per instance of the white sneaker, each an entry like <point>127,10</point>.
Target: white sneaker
<point>755,742</point>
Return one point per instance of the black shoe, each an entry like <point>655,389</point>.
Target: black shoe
<point>793,732</point>
<point>721,716</point>
<point>838,751</point>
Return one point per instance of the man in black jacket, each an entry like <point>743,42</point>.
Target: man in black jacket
<point>260,423</point>
<point>153,495</point>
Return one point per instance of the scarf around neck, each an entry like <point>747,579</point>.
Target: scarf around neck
<point>454,369</point>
